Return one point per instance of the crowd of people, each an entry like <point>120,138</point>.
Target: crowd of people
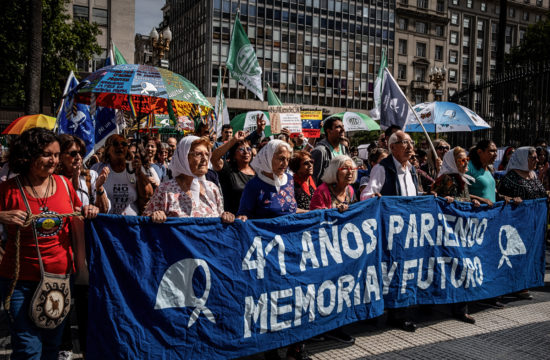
<point>236,177</point>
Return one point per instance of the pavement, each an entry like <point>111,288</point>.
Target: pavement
<point>519,331</point>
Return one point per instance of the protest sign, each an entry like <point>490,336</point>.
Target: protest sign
<point>311,123</point>
<point>196,286</point>
<point>286,116</point>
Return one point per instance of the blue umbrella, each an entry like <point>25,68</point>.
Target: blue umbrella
<point>442,116</point>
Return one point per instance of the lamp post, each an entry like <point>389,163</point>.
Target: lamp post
<point>160,44</point>
<point>437,77</point>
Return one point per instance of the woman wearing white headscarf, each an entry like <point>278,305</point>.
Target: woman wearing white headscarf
<point>520,181</point>
<point>271,192</point>
<point>188,194</point>
<point>452,182</point>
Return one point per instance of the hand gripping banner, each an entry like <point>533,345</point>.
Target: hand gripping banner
<point>195,287</point>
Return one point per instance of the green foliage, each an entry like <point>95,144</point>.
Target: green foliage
<point>64,44</point>
<point>534,47</point>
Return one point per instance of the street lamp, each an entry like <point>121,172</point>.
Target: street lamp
<point>160,43</point>
<point>437,77</point>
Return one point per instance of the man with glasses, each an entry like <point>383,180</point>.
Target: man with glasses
<point>328,148</point>
<point>395,176</point>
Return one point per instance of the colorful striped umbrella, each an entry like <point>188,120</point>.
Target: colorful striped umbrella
<point>142,89</point>
<point>29,121</point>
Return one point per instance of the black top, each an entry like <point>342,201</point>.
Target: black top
<point>232,182</point>
<point>513,185</point>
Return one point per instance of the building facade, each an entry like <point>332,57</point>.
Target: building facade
<point>317,53</point>
<point>116,19</point>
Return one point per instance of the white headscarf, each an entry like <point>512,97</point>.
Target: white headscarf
<point>449,167</point>
<point>180,165</point>
<point>520,159</point>
<point>263,162</point>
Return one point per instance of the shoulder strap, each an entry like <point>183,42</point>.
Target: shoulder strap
<point>29,213</point>
<point>68,192</point>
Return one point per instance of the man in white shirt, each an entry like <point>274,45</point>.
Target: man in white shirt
<point>394,175</point>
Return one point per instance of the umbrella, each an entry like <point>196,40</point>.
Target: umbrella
<point>354,121</point>
<point>442,116</point>
<point>29,121</point>
<point>149,88</point>
<point>247,122</point>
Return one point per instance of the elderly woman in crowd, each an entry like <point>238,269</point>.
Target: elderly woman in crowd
<point>188,194</point>
<point>433,165</point>
<point>37,190</point>
<point>236,172</point>
<point>521,183</point>
<point>301,164</point>
<point>127,185</point>
<point>452,184</point>
<point>336,190</point>
<point>271,192</point>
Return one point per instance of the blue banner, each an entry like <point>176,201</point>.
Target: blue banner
<point>196,287</point>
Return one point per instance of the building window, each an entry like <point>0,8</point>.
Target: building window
<point>421,27</point>
<point>402,72</point>
<point>455,2</point>
<point>469,4</point>
<point>100,17</point>
<point>452,75</point>
<point>466,22</point>
<point>453,56</point>
<point>454,18</point>
<point>454,38</point>
<point>466,41</point>
<point>439,53</point>
<point>440,7</point>
<point>480,25</point>
<point>402,50</point>
<point>80,12</point>
<point>420,73</point>
<point>512,12</point>
<point>537,18</point>
<point>539,3</point>
<point>483,7</point>
<point>422,4</point>
<point>439,30</point>
<point>421,49</point>
<point>402,23</point>
<point>525,16</point>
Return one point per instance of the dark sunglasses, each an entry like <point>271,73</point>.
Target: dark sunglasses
<point>117,144</point>
<point>443,148</point>
<point>73,153</point>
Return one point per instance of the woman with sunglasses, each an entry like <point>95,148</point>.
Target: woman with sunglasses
<point>301,164</point>
<point>73,151</point>
<point>236,172</point>
<point>433,165</point>
<point>452,184</point>
<point>125,181</point>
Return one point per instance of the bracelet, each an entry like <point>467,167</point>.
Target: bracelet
<point>100,192</point>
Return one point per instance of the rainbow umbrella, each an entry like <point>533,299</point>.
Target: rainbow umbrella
<point>143,89</point>
<point>29,121</point>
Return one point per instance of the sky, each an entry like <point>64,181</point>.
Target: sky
<point>148,14</point>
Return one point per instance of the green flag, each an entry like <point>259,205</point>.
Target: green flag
<point>119,59</point>
<point>272,98</point>
<point>222,114</point>
<point>378,84</point>
<point>242,62</point>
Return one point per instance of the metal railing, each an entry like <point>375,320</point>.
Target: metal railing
<point>516,104</point>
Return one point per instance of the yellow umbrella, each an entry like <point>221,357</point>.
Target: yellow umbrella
<point>29,121</point>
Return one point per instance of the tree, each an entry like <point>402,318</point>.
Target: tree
<point>534,47</point>
<point>64,44</point>
<point>34,60</point>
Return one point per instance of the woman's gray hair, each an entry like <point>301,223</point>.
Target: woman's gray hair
<point>331,172</point>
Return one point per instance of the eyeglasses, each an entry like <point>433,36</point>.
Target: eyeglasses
<point>198,154</point>
<point>245,150</point>
<point>117,144</point>
<point>308,162</point>
<point>443,148</point>
<point>405,142</point>
<point>73,153</point>
<point>347,168</point>
<point>463,160</point>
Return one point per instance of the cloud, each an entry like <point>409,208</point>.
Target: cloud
<point>148,14</point>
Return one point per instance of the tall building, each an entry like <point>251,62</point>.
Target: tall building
<point>421,45</point>
<point>313,52</point>
<point>116,22</point>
